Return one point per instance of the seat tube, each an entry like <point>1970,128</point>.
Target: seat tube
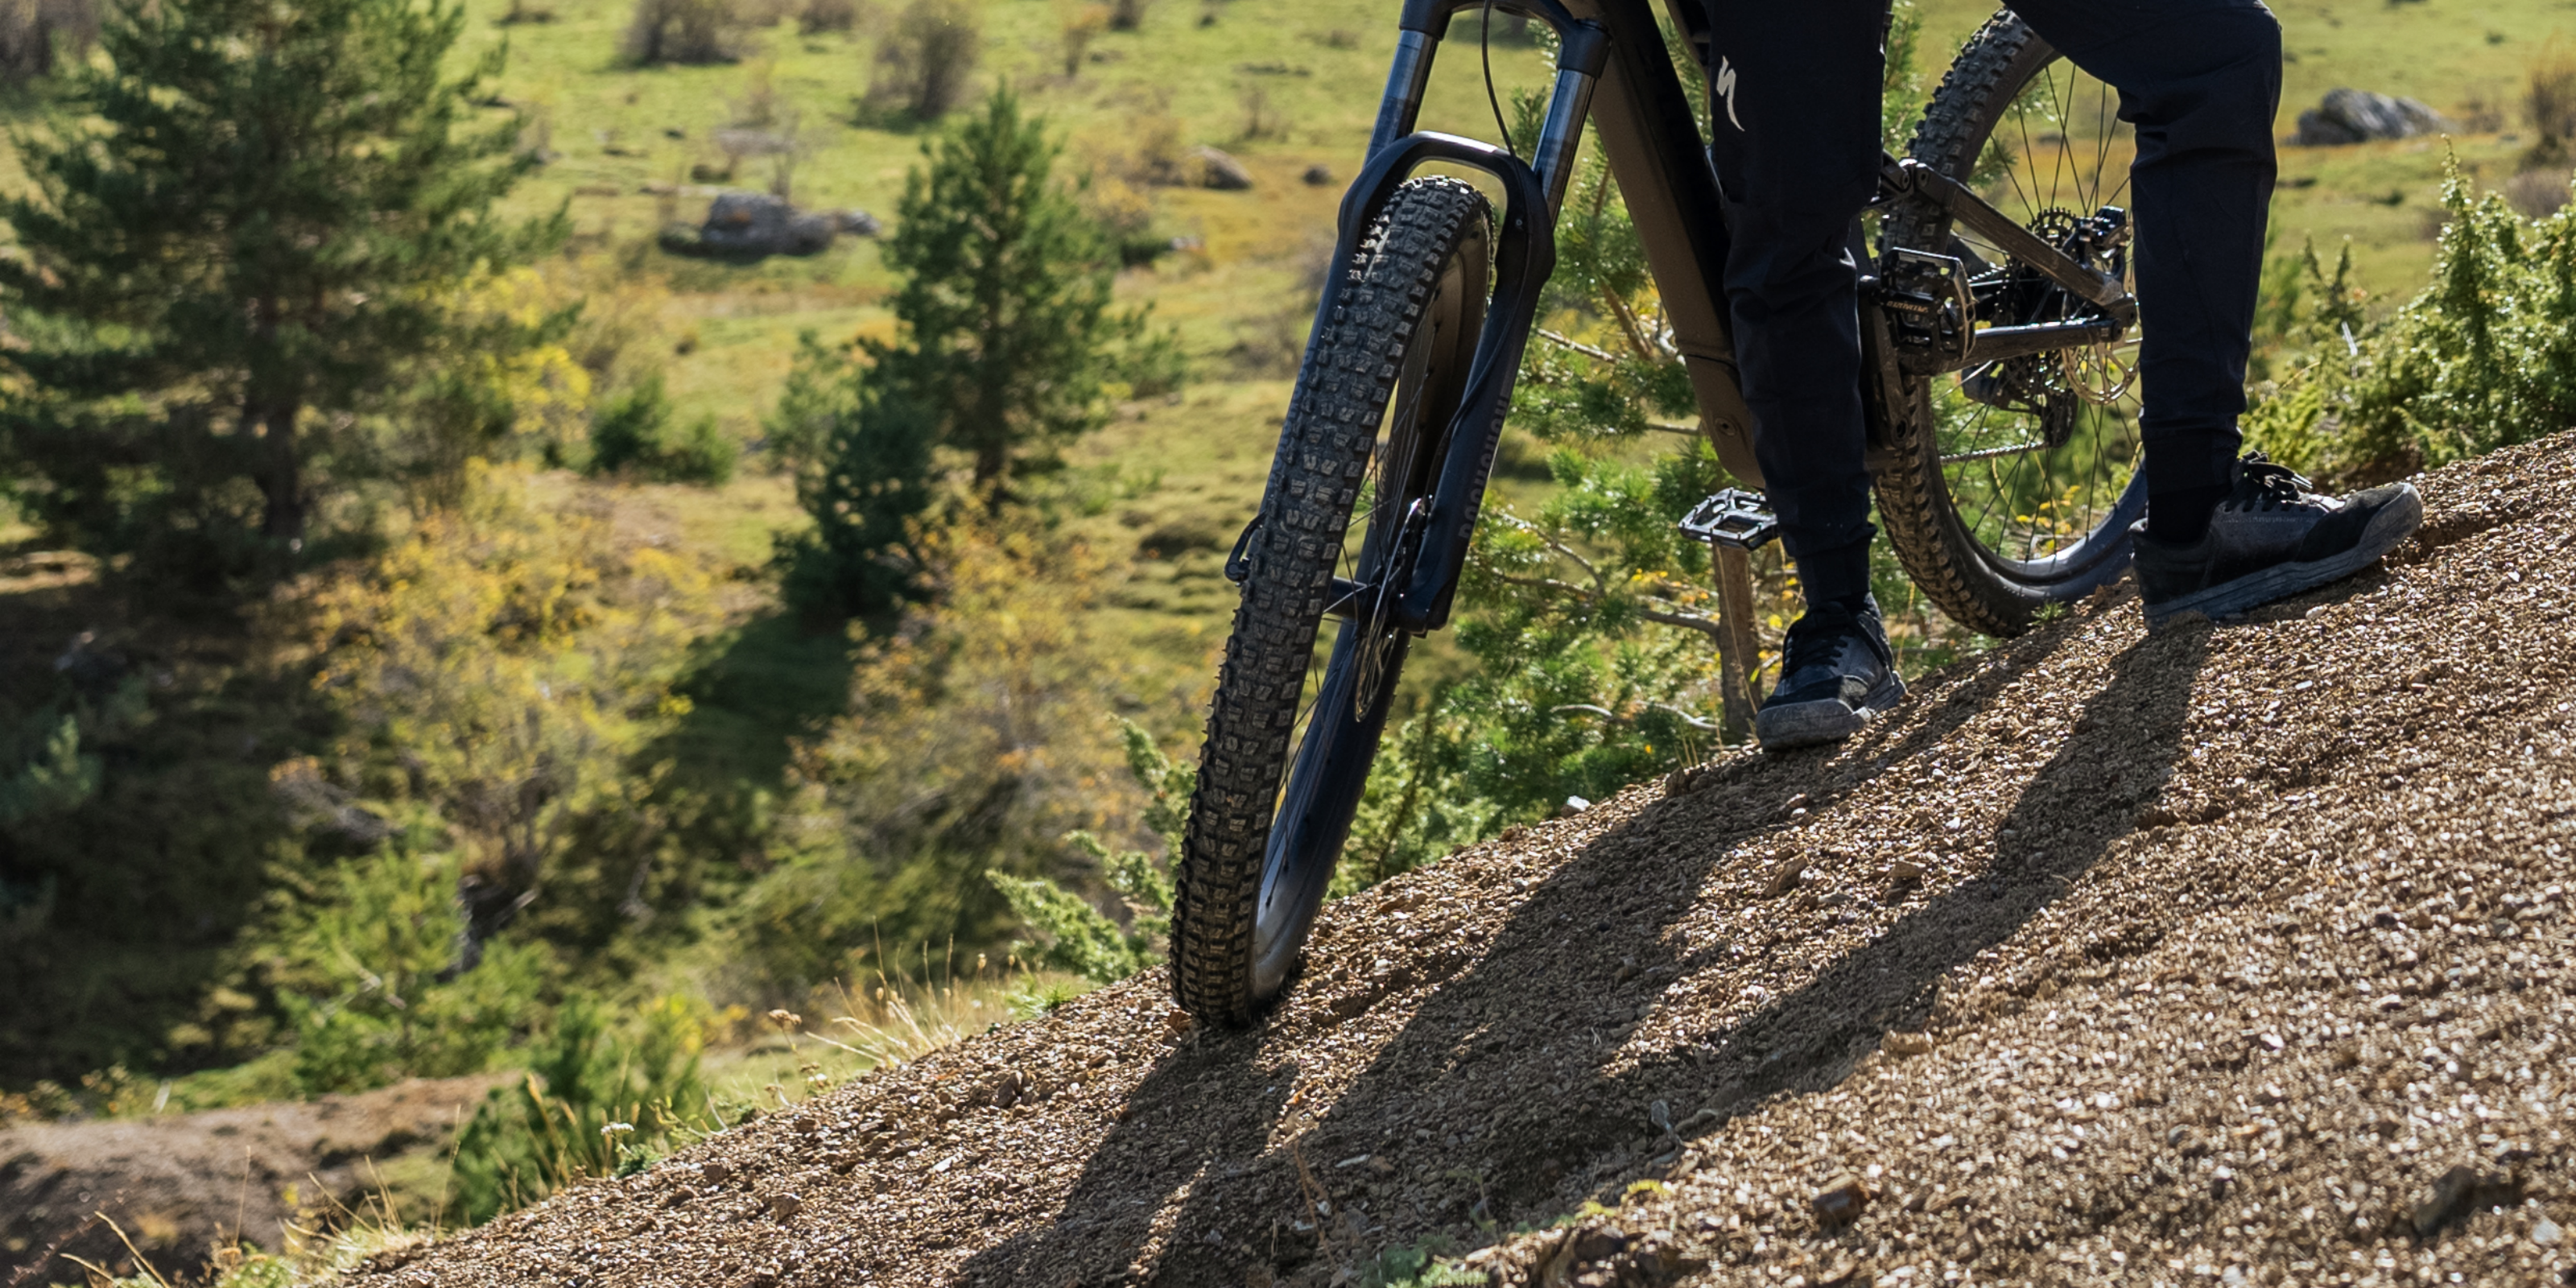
<point>1405,82</point>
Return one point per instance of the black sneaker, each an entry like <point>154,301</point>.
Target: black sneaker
<point>2271,538</point>
<point>1835,673</point>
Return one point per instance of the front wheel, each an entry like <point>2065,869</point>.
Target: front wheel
<point>1295,722</point>
<point>2021,490</point>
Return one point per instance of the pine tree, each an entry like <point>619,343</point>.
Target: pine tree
<point>251,219</point>
<point>864,470</point>
<point>1002,328</point>
<point>1005,350</point>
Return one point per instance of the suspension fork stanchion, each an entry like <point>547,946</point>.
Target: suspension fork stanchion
<point>1405,82</point>
<point>1568,103</point>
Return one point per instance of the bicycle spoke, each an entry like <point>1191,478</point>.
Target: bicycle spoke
<point>2026,484</point>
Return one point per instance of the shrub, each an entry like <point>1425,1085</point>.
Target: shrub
<point>2485,357</point>
<point>926,61</point>
<point>1082,25</point>
<point>494,674</point>
<point>598,1099</point>
<point>682,31</point>
<point>2537,194</point>
<point>868,489</point>
<point>818,16</point>
<point>971,744</point>
<point>2549,104</point>
<point>34,33</point>
<point>1076,937</point>
<point>363,963</point>
<point>1127,15</point>
<point>632,434</point>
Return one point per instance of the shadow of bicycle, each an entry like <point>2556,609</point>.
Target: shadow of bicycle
<point>1529,1081</point>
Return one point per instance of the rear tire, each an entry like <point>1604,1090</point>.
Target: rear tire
<point>1265,830</point>
<point>1989,534</point>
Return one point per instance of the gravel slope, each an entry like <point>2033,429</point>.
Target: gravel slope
<point>2227,954</point>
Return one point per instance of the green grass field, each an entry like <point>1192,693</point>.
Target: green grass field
<point>1165,486</point>
<point>1196,71</point>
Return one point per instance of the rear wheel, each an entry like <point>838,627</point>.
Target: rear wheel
<point>1296,719</point>
<point>2023,491</point>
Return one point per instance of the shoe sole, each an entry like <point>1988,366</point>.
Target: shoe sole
<point>2280,581</point>
<point>1814,724</point>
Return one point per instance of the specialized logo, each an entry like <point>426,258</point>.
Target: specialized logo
<point>1726,90</point>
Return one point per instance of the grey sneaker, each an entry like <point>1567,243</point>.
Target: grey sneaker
<point>2271,538</point>
<point>1836,673</point>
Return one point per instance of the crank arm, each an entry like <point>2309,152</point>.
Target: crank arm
<point>1996,343</point>
<point>1910,177</point>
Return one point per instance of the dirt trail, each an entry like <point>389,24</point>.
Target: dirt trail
<point>2204,956</point>
<point>180,1185</point>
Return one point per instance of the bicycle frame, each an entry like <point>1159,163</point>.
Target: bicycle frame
<point>1613,68</point>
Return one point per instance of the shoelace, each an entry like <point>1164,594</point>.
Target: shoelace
<point>1813,643</point>
<point>2275,487</point>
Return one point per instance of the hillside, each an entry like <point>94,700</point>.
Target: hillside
<point>2237,951</point>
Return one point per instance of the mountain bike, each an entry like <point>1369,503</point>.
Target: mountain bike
<point>1998,336</point>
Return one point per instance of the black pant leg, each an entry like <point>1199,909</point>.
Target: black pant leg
<point>1797,148</point>
<point>2201,81</point>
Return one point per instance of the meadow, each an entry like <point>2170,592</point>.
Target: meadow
<point>1283,89</point>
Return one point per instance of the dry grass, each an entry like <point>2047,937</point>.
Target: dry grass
<point>2538,194</point>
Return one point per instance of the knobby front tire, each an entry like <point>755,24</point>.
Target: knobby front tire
<point>1296,719</point>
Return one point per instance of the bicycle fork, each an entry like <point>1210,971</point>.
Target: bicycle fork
<point>1533,191</point>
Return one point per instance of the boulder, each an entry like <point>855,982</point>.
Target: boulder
<point>2359,116</point>
<point>754,224</point>
<point>1222,172</point>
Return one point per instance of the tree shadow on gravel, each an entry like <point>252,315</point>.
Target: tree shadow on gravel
<point>1507,1096</point>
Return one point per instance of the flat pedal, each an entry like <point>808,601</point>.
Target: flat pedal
<point>1734,518</point>
<point>1931,317</point>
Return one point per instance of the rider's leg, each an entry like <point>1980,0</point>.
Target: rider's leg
<point>1797,150</point>
<point>2201,80</point>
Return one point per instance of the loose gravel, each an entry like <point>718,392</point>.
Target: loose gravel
<point>2234,953</point>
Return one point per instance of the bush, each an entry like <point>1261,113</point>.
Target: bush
<point>495,675</point>
<point>682,31</point>
<point>363,963</point>
<point>926,61</point>
<point>2537,194</point>
<point>1076,937</point>
<point>1081,26</point>
<point>971,745</point>
<point>598,1100</point>
<point>33,33</point>
<point>2549,103</point>
<point>2484,358</point>
<point>818,16</point>
<point>632,434</point>
<point>863,557</point>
